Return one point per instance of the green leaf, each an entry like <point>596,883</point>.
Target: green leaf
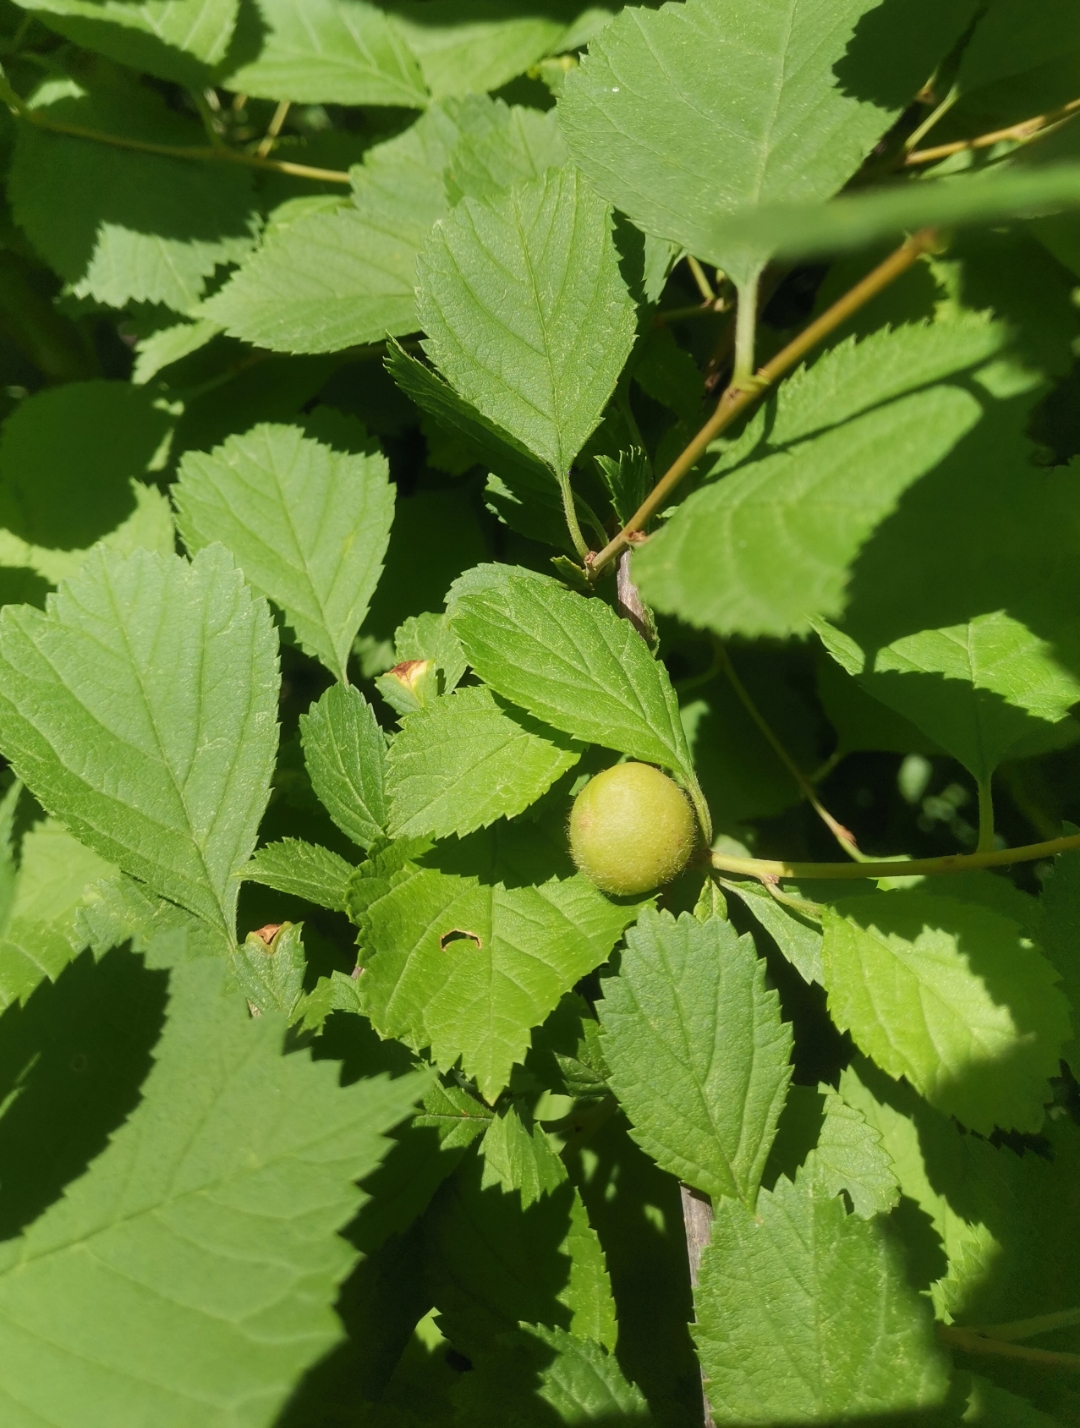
<point>190,1275</point>
<point>509,1239</point>
<point>526,311</point>
<point>997,1408</point>
<point>457,1116</point>
<point>483,439</point>
<point>683,116</point>
<point>797,934</point>
<point>469,968</point>
<point>333,279</point>
<point>119,225</point>
<point>327,51</point>
<point>502,146</point>
<point>38,937</point>
<point>951,995</point>
<point>986,660</point>
<point>520,490</point>
<point>168,345</point>
<point>805,1314</point>
<point>569,661</point>
<point>819,489</point>
<point>1060,928</point>
<point>429,636</point>
<point>60,494</point>
<point>345,753</point>
<point>1010,39</point>
<point>466,760</point>
<point>179,40</point>
<point>119,910</point>
<point>465,45</point>
<point>850,1156</point>
<point>794,230</point>
<point>996,1213</point>
<point>141,710</point>
<point>302,870</point>
<point>699,1057</point>
<point>990,680</point>
<point>271,974</point>
<point>538,1371</point>
<point>308,523</point>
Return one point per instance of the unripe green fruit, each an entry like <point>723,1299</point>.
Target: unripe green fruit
<point>631,829</point>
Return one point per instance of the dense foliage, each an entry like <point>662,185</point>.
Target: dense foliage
<point>421,419</point>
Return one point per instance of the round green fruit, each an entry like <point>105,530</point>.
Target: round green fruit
<point>631,829</point>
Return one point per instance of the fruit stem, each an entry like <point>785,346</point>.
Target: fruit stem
<point>770,870</point>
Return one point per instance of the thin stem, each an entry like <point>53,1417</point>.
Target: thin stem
<point>745,332</point>
<point>206,112</point>
<point>666,315</point>
<point>932,118</point>
<point>705,288</point>
<point>1028,1328</point>
<point>1026,129</point>
<point>273,129</point>
<point>971,1342</point>
<point>736,399</point>
<point>986,816</point>
<point>770,870</point>
<point>842,835</point>
<point>572,524</point>
<point>184,151</point>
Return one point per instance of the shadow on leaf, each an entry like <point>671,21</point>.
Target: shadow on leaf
<point>72,1064</point>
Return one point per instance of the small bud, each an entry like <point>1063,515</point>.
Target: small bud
<point>269,966</point>
<point>409,686</point>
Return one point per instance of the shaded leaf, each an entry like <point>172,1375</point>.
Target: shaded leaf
<point>539,1371</point>
<point>508,1236</point>
<point>345,753</point>
<point>175,39</point>
<point>818,490</point>
<point>120,225</point>
<point>951,995</point>
<point>333,279</point>
<point>805,1314</point>
<point>232,1145</point>
<point>850,1156</point>
<point>329,51</point>
<point>39,937</point>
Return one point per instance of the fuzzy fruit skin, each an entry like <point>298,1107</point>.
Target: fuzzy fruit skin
<point>631,829</point>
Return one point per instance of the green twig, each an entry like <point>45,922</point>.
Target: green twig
<point>842,835</point>
<point>209,153</point>
<point>770,869</point>
<point>1028,1328</point>
<point>736,399</point>
<point>705,288</point>
<point>969,1341</point>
